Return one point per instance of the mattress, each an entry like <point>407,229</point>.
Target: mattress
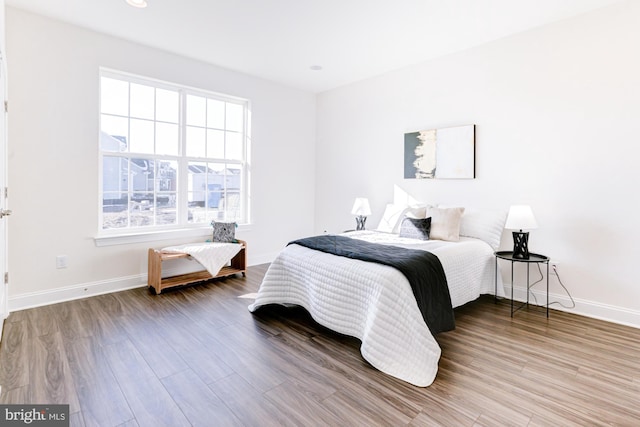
<point>374,302</point>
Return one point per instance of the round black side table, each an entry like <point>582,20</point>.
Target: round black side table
<point>533,258</point>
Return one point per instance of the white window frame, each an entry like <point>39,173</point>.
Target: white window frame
<point>182,228</point>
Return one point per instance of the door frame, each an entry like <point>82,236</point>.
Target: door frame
<point>4,223</point>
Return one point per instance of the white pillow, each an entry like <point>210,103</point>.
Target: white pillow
<point>445,223</point>
<point>391,218</point>
<point>416,212</point>
<point>486,225</point>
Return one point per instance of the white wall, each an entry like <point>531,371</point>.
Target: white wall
<point>557,111</point>
<point>53,157</point>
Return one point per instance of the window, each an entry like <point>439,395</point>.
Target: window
<point>171,156</point>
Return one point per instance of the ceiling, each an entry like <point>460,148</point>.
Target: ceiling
<point>280,40</point>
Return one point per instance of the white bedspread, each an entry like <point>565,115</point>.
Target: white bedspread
<point>375,302</point>
<point>212,255</point>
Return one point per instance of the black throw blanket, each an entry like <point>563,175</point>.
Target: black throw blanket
<point>422,269</point>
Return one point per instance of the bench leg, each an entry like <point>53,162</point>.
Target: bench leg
<point>154,272</point>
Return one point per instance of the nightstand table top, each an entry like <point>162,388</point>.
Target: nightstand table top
<point>508,255</point>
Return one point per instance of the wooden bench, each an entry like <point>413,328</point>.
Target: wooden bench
<point>157,283</point>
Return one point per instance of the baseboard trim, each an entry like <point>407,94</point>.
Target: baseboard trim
<point>69,293</point>
<point>264,258</point>
<point>90,289</point>
<point>596,310</point>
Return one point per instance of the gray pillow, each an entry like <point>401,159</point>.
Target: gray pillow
<point>415,228</point>
<point>224,232</point>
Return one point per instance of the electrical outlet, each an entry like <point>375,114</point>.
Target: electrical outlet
<point>61,261</point>
<point>553,267</point>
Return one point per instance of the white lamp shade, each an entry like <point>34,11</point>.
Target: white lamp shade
<point>137,3</point>
<point>361,207</point>
<point>521,218</point>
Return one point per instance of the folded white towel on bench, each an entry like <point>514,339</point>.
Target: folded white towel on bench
<point>212,255</point>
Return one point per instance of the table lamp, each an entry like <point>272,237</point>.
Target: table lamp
<point>361,210</point>
<point>521,218</point>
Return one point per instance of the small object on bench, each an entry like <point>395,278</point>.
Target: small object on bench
<point>156,282</point>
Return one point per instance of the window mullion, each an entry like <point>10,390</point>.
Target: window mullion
<point>183,171</point>
<point>129,177</point>
<point>225,165</point>
<point>156,164</point>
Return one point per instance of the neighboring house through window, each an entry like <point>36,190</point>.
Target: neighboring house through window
<point>171,156</point>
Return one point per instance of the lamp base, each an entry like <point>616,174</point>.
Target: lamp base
<point>521,245</point>
<point>360,220</point>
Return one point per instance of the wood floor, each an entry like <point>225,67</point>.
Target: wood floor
<point>196,356</point>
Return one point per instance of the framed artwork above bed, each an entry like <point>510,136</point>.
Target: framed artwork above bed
<point>447,153</point>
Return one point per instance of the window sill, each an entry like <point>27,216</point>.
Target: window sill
<point>150,236</point>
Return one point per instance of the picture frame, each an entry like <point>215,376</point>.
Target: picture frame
<point>446,153</point>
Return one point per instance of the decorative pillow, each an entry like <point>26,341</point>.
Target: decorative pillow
<point>224,232</point>
<point>445,223</point>
<point>393,215</point>
<point>486,225</point>
<point>417,211</point>
<point>415,228</point>
<point>390,218</point>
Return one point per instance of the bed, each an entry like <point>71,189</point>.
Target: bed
<point>375,302</point>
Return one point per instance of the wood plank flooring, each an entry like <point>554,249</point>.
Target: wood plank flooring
<point>196,356</point>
